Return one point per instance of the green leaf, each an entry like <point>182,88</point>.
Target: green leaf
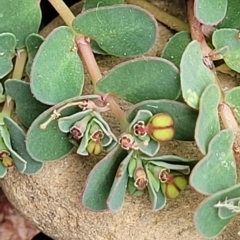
<point>65,123</point>
<point>119,187</point>
<point>171,159</point>
<point>175,47</point>
<point>184,169</point>
<point>208,124</point>
<point>19,146</point>
<point>96,3</point>
<point>158,200</point>
<point>224,212</point>
<point>217,170</point>
<point>8,43</point>
<point>21,18</point>
<point>19,162</point>
<point>57,53</point>
<point>210,12</point>
<point>33,43</point>
<point>3,170</point>
<point>195,76</point>
<point>27,107</point>
<point>100,180</point>
<point>50,144</point>
<point>142,79</point>
<point>206,217</point>
<point>118,29</point>
<point>232,16</point>
<point>180,113</point>
<point>96,49</point>
<point>232,98</point>
<point>229,39</point>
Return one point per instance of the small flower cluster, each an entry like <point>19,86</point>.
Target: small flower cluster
<point>145,134</point>
<point>88,131</point>
<point>143,173</point>
<point>147,131</point>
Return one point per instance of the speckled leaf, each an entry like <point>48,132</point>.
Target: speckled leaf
<point>206,216</point>
<point>3,170</point>
<point>33,43</point>
<point>119,186</point>
<point>19,146</point>
<point>142,79</point>
<point>230,39</point>
<point>57,71</point>
<point>117,29</point>
<point>100,180</point>
<point>96,49</point>
<point>8,43</point>
<point>21,17</point>
<point>208,124</point>
<point>195,76</point>
<point>175,47</point>
<point>232,16</point>
<point>180,113</point>
<point>232,98</point>
<point>96,3</point>
<point>210,12</point>
<point>27,107</point>
<point>224,212</point>
<point>157,198</point>
<point>53,143</point>
<point>218,166</point>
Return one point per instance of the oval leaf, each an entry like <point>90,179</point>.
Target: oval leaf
<point>204,10</point>
<point>119,187</point>
<point>19,146</point>
<point>232,98</point>
<point>180,113</point>
<point>230,39</point>
<point>142,79</point>
<point>117,29</point>
<point>175,47</point>
<point>19,162</point>
<point>195,76</point>
<point>218,166</point>
<point>8,43</point>
<point>21,18</point>
<point>27,107</point>
<point>57,52</point>
<point>157,198</point>
<point>206,216</point>
<point>232,16</point>
<point>208,124</point>
<point>100,180</point>
<point>33,43</point>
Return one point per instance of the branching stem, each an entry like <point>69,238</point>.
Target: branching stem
<point>63,11</point>
<point>83,44</point>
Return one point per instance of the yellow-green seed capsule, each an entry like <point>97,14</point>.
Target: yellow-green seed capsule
<point>161,127</point>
